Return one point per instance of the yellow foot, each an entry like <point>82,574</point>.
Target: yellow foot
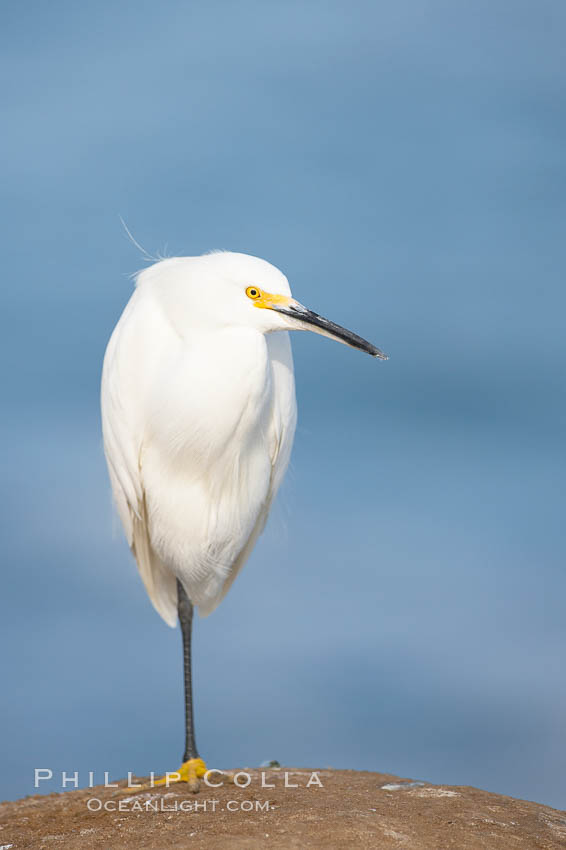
<point>189,772</point>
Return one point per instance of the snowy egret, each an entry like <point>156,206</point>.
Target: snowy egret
<point>198,416</point>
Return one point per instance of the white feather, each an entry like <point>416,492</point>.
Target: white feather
<point>198,414</point>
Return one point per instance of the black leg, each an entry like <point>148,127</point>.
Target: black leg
<point>185,611</point>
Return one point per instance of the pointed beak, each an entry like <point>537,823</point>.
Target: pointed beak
<point>309,321</point>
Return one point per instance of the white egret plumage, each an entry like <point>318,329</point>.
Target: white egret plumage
<point>198,415</point>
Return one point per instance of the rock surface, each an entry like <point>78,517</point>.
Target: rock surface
<point>351,809</point>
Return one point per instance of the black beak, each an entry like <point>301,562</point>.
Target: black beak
<point>312,321</point>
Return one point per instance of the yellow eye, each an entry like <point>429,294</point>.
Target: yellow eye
<point>253,292</point>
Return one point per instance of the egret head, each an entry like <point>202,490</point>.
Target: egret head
<point>226,289</point>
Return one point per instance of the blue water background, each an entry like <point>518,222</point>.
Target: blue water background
<point>404,164</point>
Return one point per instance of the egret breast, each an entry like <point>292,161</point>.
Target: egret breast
<point>206,462</point>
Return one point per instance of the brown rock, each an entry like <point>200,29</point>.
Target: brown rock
<point>352,809</point>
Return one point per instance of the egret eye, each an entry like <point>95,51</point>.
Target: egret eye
<point>253,292</point>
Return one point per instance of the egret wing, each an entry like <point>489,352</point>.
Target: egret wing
<point>122,393</point>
